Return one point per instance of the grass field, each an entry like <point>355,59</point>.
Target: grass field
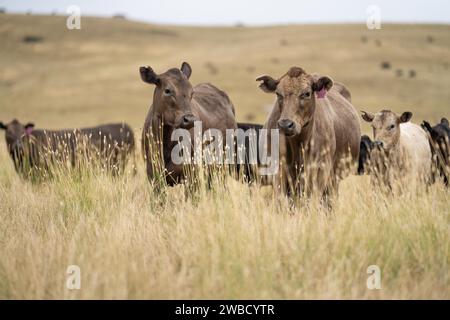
<point>236,243</point>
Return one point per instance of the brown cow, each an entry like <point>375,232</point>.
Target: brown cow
<point>32,148</point>
<point>177,104</point>
<point>319,131</point>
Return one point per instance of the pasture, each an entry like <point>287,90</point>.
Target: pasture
<point>227,243</point>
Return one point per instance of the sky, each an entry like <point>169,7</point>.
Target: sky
<point>259,12</point>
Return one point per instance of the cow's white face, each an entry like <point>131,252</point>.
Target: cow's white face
<point>386,127</point>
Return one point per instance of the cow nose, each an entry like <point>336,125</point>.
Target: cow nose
<point>286,125</point>
<point>378,144</point>
<point>187,121</point>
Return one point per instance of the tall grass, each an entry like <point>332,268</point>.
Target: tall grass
<point>233,241</point>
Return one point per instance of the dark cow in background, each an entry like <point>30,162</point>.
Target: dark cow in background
<point>177,104</point>
<point>249,169</point>
<point>365,147</point>
<point>319,131</point>
<point>39,149</point>
<point>440,146</point>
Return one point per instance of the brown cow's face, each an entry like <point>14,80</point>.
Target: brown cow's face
<point>296,98</point>
<point>172,99</point>
<point>386,127</point>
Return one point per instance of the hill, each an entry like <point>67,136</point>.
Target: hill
<point>70,78</point>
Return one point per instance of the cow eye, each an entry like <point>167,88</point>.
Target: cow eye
<point>167,92</point>
<point>306,95</point>
<point>391,127</point>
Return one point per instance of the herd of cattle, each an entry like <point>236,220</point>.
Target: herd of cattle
<point>319,129</point>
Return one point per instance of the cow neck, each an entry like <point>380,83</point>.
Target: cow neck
<point>392,158</point>
<point>396,154</point>
<point>306,133</point>
<point>167,143</point>
<point>162,133</point>
<point>301,142</point>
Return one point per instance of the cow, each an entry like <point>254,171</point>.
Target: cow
<point>177,104</point>
<point>319,132</point>
<point>439,136</point>
<point>249,169</point>
<point>34,149</point>
<point>404,150</point>
<point>365,148</point>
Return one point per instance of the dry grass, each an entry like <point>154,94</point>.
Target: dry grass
<point>236,243</point>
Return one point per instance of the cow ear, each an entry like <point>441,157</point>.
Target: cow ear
<point>186,69</point>
<point>406,116</point>
<point>444,121</point>
<point>365,141</point>
<point>29,127</point>
<point>323,83</point>
<point>2,126</point>
<point>367,116</point>
<point>148,75</point>
<point>426,126</point>
<point>268,84</point>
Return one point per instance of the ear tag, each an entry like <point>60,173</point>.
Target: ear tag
<point>28,131</point>
<point>322,93</point>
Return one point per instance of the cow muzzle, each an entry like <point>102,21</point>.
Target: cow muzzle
<point>187,121</point>
<point>17,146</point>
<point>287,127</point>
<point>378,144</point>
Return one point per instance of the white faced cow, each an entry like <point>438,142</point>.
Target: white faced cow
<point>402,148</point>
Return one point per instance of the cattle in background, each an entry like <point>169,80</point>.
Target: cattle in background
<point>319,131</point>
<point>440,146</point>
<point>404,148</point>
<point>38,149</point>
<point>365,147</point>
<point>178,104</point>
<point>249,169</point>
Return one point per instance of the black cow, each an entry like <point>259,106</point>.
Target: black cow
<point>32,149</point>
<point>365,148</point>
<point>440,146</point>
<point>248,169</point>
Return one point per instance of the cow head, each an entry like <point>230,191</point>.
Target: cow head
<point>440,136</point>
<point>366,146</point>
<point>386,127</point>
<point>296,93</point>
<point>15,133</point>
<point>172,98</point>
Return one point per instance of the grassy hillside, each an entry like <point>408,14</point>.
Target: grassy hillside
<point>78,77</point>
<point>237,242</point>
